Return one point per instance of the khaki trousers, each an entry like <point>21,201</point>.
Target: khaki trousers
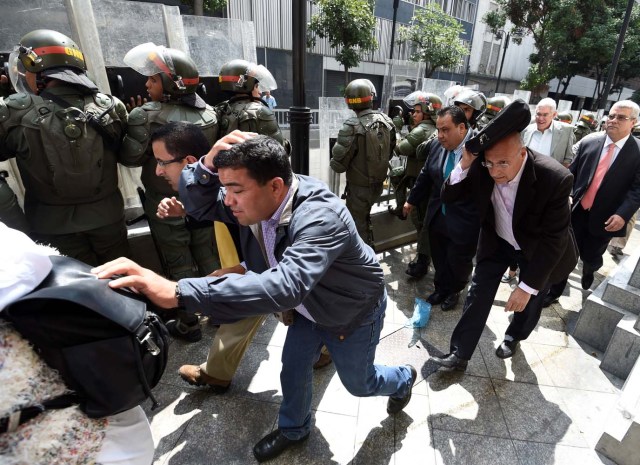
<point>231,340</point>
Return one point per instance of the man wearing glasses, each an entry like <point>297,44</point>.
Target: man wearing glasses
<point>550,137</point>
<point>523,201</point>
<point>606,191</point>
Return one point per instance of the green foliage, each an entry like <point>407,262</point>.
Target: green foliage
<point>208,5</point>
<point>496,20</point>
<point>349,25</point>
<point>435,37</point>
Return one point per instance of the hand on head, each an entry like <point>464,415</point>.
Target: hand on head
<point>466,159</point>
<point>130,275</point>
<point>225,143</point>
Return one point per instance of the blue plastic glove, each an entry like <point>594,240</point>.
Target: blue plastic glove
<point>421,313</point>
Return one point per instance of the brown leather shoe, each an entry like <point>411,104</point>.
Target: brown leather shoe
<point>193,375</point>
<point>323,361</point>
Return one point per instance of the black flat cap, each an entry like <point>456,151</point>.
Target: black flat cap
<point>513,118</point>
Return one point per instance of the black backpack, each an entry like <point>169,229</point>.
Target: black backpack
<point>106,345</point>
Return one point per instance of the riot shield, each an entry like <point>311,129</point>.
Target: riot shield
<point>332,113</point>
<point>400,79</point>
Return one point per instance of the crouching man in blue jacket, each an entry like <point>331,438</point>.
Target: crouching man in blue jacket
<point>302,252</point>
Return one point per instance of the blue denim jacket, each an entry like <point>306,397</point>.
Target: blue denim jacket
<point>322,262</point>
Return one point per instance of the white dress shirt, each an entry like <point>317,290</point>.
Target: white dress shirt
<point>503,199</point>
<point>541,141</point>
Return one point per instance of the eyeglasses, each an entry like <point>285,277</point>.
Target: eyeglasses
<point>501,164</point>
<point>611,117</point>
<point>163,163</point>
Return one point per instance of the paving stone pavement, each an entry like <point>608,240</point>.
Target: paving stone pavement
<point>544,406</point>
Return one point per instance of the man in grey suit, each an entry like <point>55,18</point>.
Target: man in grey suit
<point>549,137</point>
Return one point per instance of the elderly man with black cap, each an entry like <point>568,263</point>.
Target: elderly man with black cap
<point>523,201</point>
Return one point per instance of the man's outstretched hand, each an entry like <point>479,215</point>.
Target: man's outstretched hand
<point>128,274</point>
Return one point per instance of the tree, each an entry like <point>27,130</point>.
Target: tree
<point>349,25</point>
<point>435,39</point>
<point>572,38</point>
<point>200,6</point>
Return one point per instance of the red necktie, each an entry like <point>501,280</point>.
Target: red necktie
<point>601,170</point>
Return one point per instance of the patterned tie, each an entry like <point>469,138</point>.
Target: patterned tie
<point>601,170</point>
<point>448,168</point>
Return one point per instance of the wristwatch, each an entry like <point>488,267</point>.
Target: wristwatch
<point>179,296</point>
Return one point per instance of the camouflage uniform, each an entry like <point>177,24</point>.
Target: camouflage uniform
<point>415,161</point>
<point>77,209</point>
<point>184,252</point>
<point>349,155</point>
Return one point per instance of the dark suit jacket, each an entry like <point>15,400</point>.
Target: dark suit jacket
<point>461,217</point>
<point>619,192</point>
<point>541,216</point>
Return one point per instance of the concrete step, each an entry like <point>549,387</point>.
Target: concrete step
<point>619,291</point>
<point>623,348</point>
<point>598,320</point>
<point>621,435</point>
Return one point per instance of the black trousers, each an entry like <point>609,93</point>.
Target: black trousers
<point>452,261</point>
<point>480,298</point>
<point>590,247</point>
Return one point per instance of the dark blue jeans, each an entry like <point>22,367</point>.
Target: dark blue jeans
<point>353,357</point>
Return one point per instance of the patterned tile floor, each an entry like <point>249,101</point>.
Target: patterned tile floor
<point>544,406</point>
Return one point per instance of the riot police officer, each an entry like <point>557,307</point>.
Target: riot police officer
<point>473,103</point>
<point>586,125</point>
<point>565,117</point>
<point>425,105</point>
<point>363,150</point>
<point>66,138</point>
<point>494,106</point>
<point>245,110</point>
<point>186,250</point>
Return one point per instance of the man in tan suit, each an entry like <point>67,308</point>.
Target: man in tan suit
<point>549,137</point>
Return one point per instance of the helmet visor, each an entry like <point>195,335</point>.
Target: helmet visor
<point>17,74</point>
<point>150,59</point>
<point>266,81</point>
<point>416,98</point>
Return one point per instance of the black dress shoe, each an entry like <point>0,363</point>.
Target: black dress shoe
<point>437,298</point>
<point>587,279</point>
<point>450,302</point>
<point>451,361</point>
<point>548,300</point>
<point>274,444</point>
<point>418,268</point>
<point>396,404</point>
<point>507,349</point>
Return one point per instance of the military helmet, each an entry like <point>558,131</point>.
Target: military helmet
<point>587,120</point>
<point>475,100</point>
<point>429,103</point>
<point>43,49</point>
<point>49,55</point>
<point>177,70</point>
<point>360,94</point>
<point>495,106</point>
<point>241,76</point>
<point>565,117</point>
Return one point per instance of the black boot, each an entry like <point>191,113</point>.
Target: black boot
<point>419,266</point>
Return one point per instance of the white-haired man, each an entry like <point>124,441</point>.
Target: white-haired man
<point>606,190</point>
<point>549,137</point>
